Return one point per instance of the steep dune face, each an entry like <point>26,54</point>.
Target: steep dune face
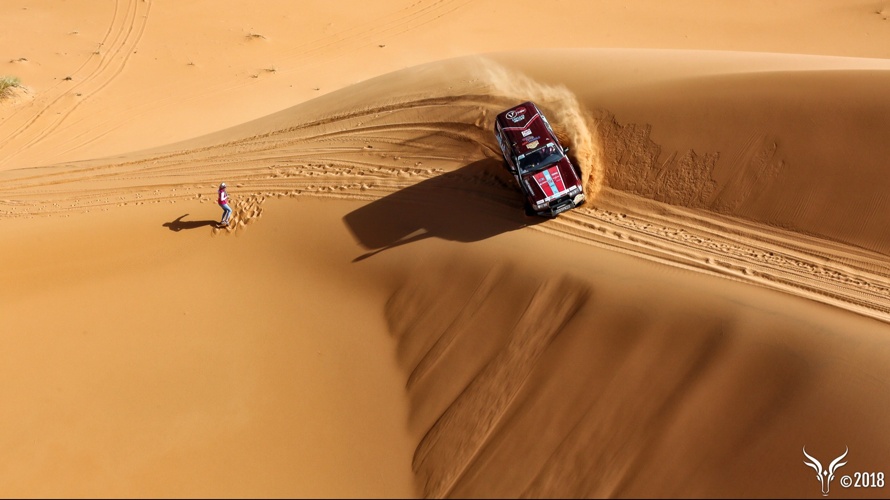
<point>527,380</point>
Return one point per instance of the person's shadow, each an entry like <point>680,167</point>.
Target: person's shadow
<point>473,203</point>
<point>178,224</point>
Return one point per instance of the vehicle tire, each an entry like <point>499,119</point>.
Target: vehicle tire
<point>529,211</point>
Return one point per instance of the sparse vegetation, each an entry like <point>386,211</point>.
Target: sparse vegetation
<point>7,84</point>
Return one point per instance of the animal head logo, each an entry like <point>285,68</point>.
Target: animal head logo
<point>825,475</point>
<point>516,115</point>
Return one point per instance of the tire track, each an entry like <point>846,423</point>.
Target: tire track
<point>721,246</point>
<point>54,97</point>
<point>416,15</point>
<point>123,35</point>
<point>116,62</point>
<point>370,153</point>
<point>301,137</point>
<point>110,67</point>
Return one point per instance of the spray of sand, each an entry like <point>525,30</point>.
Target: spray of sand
<point>574,125</point>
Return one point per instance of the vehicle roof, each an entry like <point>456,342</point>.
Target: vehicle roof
<point>524,129</point>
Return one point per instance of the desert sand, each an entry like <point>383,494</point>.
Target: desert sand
<point>381,319</point>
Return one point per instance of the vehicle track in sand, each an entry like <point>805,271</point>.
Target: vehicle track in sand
<point>380,150</point>
<point>300,59</point>
<point>59,103</point>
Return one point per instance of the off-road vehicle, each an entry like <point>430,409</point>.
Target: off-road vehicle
<point>538,161</point>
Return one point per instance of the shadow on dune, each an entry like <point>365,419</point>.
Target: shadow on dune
<point>473,203</point>
<point>178,224</point>
<point>529,382</point>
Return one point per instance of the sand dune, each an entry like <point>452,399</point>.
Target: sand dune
<point>702,389</point>
<point>381,319</point>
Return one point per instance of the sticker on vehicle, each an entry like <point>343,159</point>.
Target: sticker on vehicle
<point>516,115</point>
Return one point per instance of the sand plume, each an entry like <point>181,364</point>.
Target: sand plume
<point>574,125</point>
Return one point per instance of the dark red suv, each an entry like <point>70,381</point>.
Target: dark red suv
<point>538,162</point>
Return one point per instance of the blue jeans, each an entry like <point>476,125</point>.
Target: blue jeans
<point>227,212</point>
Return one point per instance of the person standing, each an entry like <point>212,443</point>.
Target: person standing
<point>223,200</point>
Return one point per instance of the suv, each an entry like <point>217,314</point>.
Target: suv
<point>538,162</point>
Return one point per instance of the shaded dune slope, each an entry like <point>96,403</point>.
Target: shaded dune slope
<point>531,381</point>
<point>539,383</point>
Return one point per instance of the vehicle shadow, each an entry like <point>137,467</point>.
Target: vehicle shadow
<point>473,203</point>
<point>178,224</point>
